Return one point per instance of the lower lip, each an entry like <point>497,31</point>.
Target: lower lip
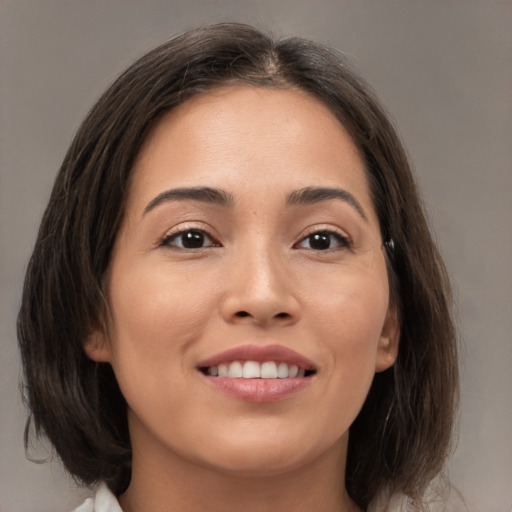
<point>259,390</point>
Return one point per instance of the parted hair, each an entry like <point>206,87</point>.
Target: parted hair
<point>401,438</point>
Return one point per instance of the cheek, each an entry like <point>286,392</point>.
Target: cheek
<point>354,333</point>
<point>349,317</point>
<point>155,316</point>
<point>353,303</point>
<point>147,299</point>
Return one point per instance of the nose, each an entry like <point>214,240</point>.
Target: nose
<point>260,290</point>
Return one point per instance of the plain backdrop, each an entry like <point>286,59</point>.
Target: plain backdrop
<point>442,68</point>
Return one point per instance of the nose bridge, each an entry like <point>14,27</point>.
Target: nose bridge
<point>263,272</point>
<point>259,285</point>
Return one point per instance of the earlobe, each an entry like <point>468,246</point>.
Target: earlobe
<point>97,348</point>
<point>387,350</point>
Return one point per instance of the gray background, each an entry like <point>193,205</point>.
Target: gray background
<point>443,68</point>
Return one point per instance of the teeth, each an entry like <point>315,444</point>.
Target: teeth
<point>235,370</point>
<point>251,370</point>
<point>223,370</point>
<point>254,370</point>
<point>282,371</point>
<point>269,370</point>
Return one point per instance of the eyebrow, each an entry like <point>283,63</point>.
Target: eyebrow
<point>203,194</point>
<point>304,196</point>
<point>311,195</point>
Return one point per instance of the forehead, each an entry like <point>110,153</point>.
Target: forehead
<point>241,110</point>
<point>261,137</point>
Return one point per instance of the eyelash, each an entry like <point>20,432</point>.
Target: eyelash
<point>343,241</point>
<point>168,239</point>
<point>199,235</point>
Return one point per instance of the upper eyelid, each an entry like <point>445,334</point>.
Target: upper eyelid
<point>345,239</point>
<point>210,232</point>
<point>346,242</point>
<point>324,229</point>
<point>189,226</point>
<point>175,234</point>
<point>181,229</point>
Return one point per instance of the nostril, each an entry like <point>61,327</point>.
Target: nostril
<point>245,314</point>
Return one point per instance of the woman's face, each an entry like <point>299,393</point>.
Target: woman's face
<point>250,248</point>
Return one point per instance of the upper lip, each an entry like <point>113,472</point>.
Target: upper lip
<point>260,354</point>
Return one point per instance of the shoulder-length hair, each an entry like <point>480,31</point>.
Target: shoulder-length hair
<point>401,437</point>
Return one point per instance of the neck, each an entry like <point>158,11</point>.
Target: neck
<point>163,481</point>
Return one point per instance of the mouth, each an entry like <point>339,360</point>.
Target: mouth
<point>258,373</point>
<point>257,370</point>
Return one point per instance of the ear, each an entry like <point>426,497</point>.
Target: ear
<point>387,349</point>
<point>97,347</point>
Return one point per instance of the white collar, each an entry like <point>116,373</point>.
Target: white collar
<point>103,501</point>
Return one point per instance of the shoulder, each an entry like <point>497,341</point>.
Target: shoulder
<point>103,501</point>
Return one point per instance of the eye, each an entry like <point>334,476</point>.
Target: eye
<point>323,241</point>
<point>190,239</point>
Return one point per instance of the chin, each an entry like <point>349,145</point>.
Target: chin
<point>269,456</point>
<point>262,465</point>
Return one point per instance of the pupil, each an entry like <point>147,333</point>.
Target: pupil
<point>193,239</point>
<point>320,241</point>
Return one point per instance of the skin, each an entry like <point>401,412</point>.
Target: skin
<point>195,448</point>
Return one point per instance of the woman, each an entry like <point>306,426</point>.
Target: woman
<point>234,300</point>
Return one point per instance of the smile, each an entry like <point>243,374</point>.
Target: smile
<point>258,373</point>
<point>256,370</point>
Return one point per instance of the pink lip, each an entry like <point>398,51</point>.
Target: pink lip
<point>259,390</point>
<point>260,354</point>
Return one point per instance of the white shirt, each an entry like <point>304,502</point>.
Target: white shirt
<point>105,501</point>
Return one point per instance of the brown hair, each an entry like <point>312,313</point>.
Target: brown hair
<point>401,437</point>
